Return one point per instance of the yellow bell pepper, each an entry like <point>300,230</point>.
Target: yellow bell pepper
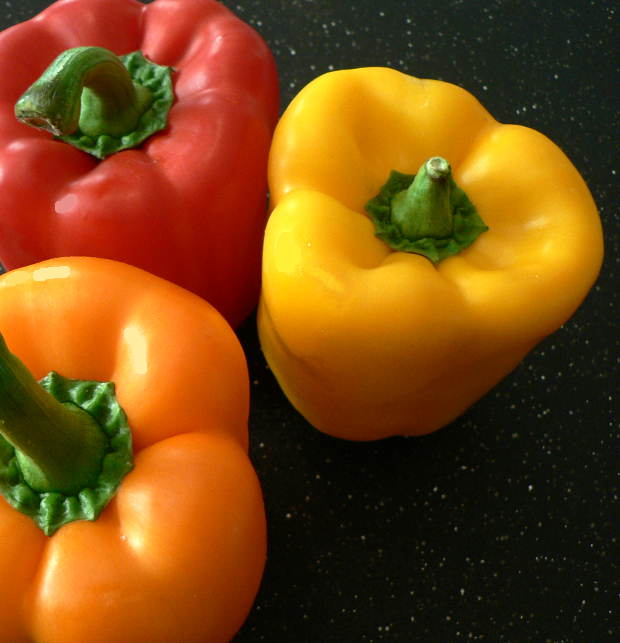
<point>371,338</point>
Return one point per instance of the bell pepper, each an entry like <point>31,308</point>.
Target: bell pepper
<point>417,249</point>
<point>181,195</point>
<point>177,549</point>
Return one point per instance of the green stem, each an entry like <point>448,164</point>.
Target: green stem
<point>87,88</point>
<point>99,102</point>
<point>424,210</point>
<point>426,213</point>
<point>59,447</point>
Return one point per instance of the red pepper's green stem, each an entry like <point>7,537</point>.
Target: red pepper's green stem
<point>99,102</point>
<point>59,447</point>
<point>427,214</point>
<point>85,87</point>
<point>424,210</point>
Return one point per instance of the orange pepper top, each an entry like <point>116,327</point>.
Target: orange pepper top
<point>178,553</point>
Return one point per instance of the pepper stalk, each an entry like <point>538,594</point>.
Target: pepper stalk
<point>426,213</point>
<point>97,101</point>
<point>65,445</point>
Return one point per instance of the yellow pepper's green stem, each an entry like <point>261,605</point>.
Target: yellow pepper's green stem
<point>59,447</point>
<point>424,209</point>
<point>427,214</point>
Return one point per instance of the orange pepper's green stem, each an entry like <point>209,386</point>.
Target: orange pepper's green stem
<point>427,214</point>
<point>89,93</point>
<point>65,444</point>
<point>59,447</point>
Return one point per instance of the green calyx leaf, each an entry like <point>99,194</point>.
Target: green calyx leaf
<point>51,510</point>
<point>425,213</point>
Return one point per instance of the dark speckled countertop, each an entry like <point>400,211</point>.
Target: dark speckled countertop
<point>505,525</point>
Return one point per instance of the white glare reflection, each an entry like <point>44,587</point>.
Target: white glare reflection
<point>137,347</point>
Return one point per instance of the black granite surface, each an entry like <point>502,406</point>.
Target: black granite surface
<point>504,526</point>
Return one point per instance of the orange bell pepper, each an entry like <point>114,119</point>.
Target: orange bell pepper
<point>178,551</point>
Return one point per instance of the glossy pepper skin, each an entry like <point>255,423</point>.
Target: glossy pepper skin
<point>179,552</point>
<point>189,204</point>
<point>368,342</point>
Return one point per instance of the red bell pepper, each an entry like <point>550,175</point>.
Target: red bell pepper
<point>188,203</point>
